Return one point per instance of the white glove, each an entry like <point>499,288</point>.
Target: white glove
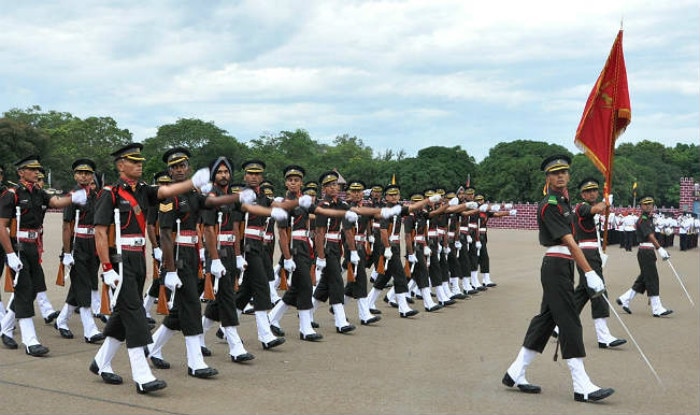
<point>14,262</point>
<point>279,199</point>
<point>217,268</point>
<point>478,244</point>
<point>172,281</point>
<point>495,207</point>
<point>157,254</point>
<point>279,214</point>
<point>68,260</point>
<point>469,239</point>
<point>247,197</point>
<point>354,257</point>
<point>610,199</point>
<point>447,250</point>
<point>412,258</point>
<point>201,177</point>
<point>111,278</point>
<point>594,282</point>
<point>663,253</point>
<point>290,265</point>
<point>79,197</point>
<point>435,198</point>
<point>513,212</point>
<point>351,216</point>
<point>508,206</point>
<point>439,249</point>
<point>453,202</point>
<point>387,253</point>
<point>206,188</point>
<point>241,263</point>
<point>427,251</point>
<point>484,208</point>
<point>201,255</point>
<point>472,205</point>
<point>370,239</point>
<point>458,245</point>
<point>305,201</point>
<point>388,213</point>
<point>320,264</point>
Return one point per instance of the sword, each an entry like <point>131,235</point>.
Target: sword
<point>219,220</point>
<point>117,237</point>
<point>245,227</point>
<point>67,268</point>
<point>658,379</point>
<point>678,277</point>
<point>18,216</point>
<point>171,301</point>
<point>393,226</point>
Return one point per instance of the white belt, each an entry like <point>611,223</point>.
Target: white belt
<point>360,238</point>
<point>440,231</point>
<point>482,230</point>
<point>432,234</point>
<point>420,238</point>
<point>450,234</point>
<point>393,238</point>
<point>473,225</point>
<point>133,241</point>
<point>559,249</point>
<point>28,234</point>
<point>376,225</point>
<point>269,237</point>
<point>257,233</point>
<point>300,232</point>
<point>464,229</point>
<point>333,236</point>
<point>646,245</point>
<point>85,231</point>
<point>187,239</point>
<point>588,245</point>
<point>227,237</point>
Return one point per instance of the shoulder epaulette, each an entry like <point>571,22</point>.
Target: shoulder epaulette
<point>108,188</point>
<point>552,200</point>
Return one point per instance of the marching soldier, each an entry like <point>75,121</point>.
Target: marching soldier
<point>557,278</point>
<point>2,252</point>
<point>22,209</point>
<point>486,212</point>
<point>648,279</point>
<point>80,257</point>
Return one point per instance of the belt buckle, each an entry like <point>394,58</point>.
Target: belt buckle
<point>32,234</point>
<point>139,242</point>
<point>193,239</point>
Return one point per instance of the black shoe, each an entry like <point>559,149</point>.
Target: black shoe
<point>65,333</point>
<point>375,311</point>
<point>370,320</point>
<point>313,337</point>
<point>410,300</point>
<point>527,388</point>
<point>220,333</point>
<point>203,373</point>
<point>614,343</point>
<point>555,334</point>
<point>482,288</point>
<point>436,307</point>
<point>391,303</point>
<point>242,358</point>
<point>109,378</point>
<point>473,291</point>
<point>409,313</point>
<point>315,325</point>
<point>627,309</point>
<point>458,296</point>
<point>276,331</point>
<point>37,350</point>
<point>598,395</point>
<point>330,310</point>
<point>665,313</point>
<point>95,339</point>
<point>103,318</point>
<point>159,363</point>
<point>345,329</point>
<point>273,343</point>
<point>447,302</point>
<point>51,317</point>
<point>205,351</point>
<point>491,284</point>
<point>249,311</point>
<point>151,386</point>
<point>418,296</point>
<point>150,320</point>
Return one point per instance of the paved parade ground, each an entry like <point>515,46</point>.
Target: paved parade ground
<point>447,362</point>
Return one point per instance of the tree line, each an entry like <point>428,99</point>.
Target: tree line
<point>510,172</point>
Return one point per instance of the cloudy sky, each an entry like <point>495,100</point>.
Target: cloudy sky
<point>400,75</point>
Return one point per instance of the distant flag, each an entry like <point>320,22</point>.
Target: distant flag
<point>607,113</point>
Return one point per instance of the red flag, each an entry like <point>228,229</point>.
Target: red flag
<point>607,112</point>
